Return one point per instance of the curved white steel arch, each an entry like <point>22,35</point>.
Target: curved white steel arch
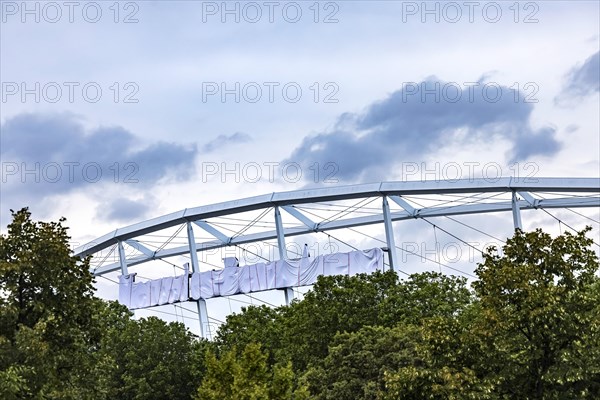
<point>390,190</point>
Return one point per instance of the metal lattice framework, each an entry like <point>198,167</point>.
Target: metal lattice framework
<point>396,199</point>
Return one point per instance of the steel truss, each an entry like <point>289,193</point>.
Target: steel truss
<point>519,194</point>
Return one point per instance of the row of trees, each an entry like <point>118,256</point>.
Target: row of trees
<point>58,341</point>
<point>527,328</point>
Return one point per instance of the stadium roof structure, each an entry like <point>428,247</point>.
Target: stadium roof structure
<point>471,196</point>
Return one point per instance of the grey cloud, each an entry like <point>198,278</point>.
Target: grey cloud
<point>44,155</point>
<point>583,80</point>
<point>537,143</point>
<point>224,140</point>
<point>407,127</point>
<point>124,210</point>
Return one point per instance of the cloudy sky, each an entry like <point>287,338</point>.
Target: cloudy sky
<point>114,112</point>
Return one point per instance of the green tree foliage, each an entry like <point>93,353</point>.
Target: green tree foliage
<point>254,324</point>
<point>539,321</point>
<point>532,333</point>
<point>46,308</point>
<point>326,328</point>
<point>336,304</point>
<point>245,377</point>
<point>443,364</point>
<point>424,295</point>
<point>57,341</point>
<point>149,359</point>
<point>528,328</point>
<point>357,362</point>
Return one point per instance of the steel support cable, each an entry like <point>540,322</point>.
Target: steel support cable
<point>374,212</point>
<point>344,211</point>
<point>563,222</point>
<point>437,252</point>
<point>449,202</point>
<point>355,248</point>
<point>583,196</point>
<point>108,279</point>
<point>171,238</point>
<point>413,253</point>
<point>475,197</point>
<point>396,246</point>
<point>112,249</point>
<point>361,233</point>
<point>350,209</point>
<point>584,216</point>
<point>475,229</point>
<point>258,218</point>
<point>332,206</point>
<point>454,236</point>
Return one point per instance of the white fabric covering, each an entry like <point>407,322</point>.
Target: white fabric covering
<point>155,291</point>
<point>246,279</point>
<point>195,287</point>
<point>152,293</point>
<point>336,264</point>
<point>206,285</point>
<point>125,282</point>
<point>140,295</point>
<point>282,273</point>
<point>165,290</point>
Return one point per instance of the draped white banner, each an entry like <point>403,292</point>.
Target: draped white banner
<point>155,292</point>
<point>283,273</point>
<point>247,279</point>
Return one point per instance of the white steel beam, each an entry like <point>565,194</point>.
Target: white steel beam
<point>389,233</point>
<point>140,247</point>
<point>530,199</point>
<point>213,231</point>
<point>122,260</point>
<point>405,205</point>
<point>300,217</point>
<point>428,212</point>
<point>516,211</point>
<point>201,303</point>
<point>289,292</point>
<point>587,185</point>
<point>192,248</point>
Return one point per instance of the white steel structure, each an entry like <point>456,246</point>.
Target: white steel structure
<point>396,202</point>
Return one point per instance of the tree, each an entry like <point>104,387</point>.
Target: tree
<point>149,359</point>
<point>336,304</point>
<point>246,376</point>
<point>539,323</point>
<point>424,295</point>
<point>254,324</point>
<point>444,363</point>
<point>357,362</point>
<point>532,333</point>
<point>46,306</point>
<point>58,341</point>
